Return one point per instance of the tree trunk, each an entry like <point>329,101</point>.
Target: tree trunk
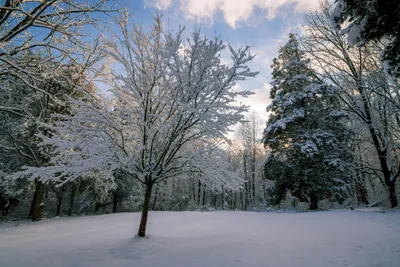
<point>254,189</point>
<point>33,203</point>
<point>165,195</point>
<point>362,194</point>
<point>37,203</point>
<point>264,190</point>
<point>194,193</point>
<point>313,201</point>
<point>155,199</point>
<point>244,206</point>
<point>204,195</point>
<point>381,149</point>
<point>115,202</point>
<point>59,201</point>
<point>253,174</point>
<point>71,200</point>
<point>97,207</point>
<point>199,194</point>
<point>5,205</point>
<point>392,195</point>
<point>246,179</point>
<point>247,186</point>
<point>145,210</point>
<point>223,198</point>
<point>214,198</point>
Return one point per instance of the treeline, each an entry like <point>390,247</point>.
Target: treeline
<point>159,141</point>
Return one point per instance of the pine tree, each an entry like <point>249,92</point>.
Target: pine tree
<point>309,155</point>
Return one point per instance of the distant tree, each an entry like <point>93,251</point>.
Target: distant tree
<point>248,136</point>
<point>372,20</point>
<point>305,133</point>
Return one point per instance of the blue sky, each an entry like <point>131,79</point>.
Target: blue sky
<point>262,24</point>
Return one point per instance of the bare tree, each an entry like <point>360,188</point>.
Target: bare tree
<point>168,94</point>
<point>366,92</point>
<point>40,42</point>
<point>53,27</point>
<point>249,135</point>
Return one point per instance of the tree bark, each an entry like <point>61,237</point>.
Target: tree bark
<point>59,201</point>
<point>362,194</point>
<point>37,202</point>
<point>155,199</point>
<point>145,210</point>
<point>264,190</point>
<point>97,206</point>
<point>392,195</point>
<point>194,193</point>
<point>204,195</point>
<point>199,194</point>
<point>5,205</point>
<point>71,200</point>
<point>253,174</point>
<point>313,201</point>
<point>32,204</point>
<point>381,149</point>
<point>247,180</point>
<point>115,201</point>
<point>244,206</point>
<point>223,198</point>
<point>164,196</point>
<point>214,198</point>
<point>247,186</point>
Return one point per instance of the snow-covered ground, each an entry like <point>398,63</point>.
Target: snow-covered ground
<point>207,239</point>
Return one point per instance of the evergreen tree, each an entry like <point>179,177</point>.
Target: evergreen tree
<point>372,20</point>
<point>309,155</point>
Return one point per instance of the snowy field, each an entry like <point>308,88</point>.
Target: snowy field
<point>207,239</point>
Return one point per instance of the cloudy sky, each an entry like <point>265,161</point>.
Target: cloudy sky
<point>262,24</point>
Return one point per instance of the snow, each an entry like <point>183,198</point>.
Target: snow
<point>164,103</point>
<point>336,14</point>
<point>354,33</point>
<point>307,239</point>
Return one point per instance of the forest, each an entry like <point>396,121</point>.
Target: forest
<point>150,119</point>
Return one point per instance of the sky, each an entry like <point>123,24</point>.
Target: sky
<point>262,24</point>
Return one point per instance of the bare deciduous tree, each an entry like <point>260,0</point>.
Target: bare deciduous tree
<point>168,94</point>
<point>56,28</point>
<point>366,92</point>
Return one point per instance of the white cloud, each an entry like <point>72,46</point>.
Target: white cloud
<point>260,100</point>
<point>257,102</point>
<point>159,4</point>
<point>233,11</point>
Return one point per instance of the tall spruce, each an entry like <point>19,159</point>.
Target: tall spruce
<point>309,156</point>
